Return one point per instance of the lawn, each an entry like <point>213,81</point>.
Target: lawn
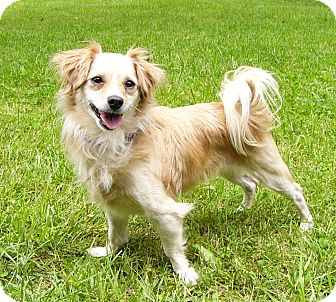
<point>259,255</point>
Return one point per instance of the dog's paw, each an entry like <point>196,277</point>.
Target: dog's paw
<point>188,276</point>
<point>241,208</point>
<point>307,226</point>
<point>100,251</point>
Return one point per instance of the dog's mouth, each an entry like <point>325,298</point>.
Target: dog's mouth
<point>108,120</point>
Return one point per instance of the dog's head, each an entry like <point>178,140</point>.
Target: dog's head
<point>110,86</point>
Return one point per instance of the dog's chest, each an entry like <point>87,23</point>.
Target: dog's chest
<point>97,164</point>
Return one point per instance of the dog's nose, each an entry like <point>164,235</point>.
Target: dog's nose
<point>115,102</point>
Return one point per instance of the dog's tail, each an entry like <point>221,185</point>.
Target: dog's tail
<point>251,101</point>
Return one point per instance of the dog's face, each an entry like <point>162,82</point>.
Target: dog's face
<point>111,89</point>
<point>114,87</point>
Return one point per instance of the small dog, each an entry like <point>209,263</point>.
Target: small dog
<point>136,157</point>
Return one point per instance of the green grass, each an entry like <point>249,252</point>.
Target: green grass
<point>259,255</point>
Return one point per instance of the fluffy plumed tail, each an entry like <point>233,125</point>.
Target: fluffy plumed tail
<point>251,101</point>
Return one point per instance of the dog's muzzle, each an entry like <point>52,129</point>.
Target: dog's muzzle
<point>109,120</point>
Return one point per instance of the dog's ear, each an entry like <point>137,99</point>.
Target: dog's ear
<point>149,74</point>
<point>73,65</point>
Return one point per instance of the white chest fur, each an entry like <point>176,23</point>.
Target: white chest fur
<point>97,158</point>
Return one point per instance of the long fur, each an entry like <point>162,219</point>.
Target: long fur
<point>156,153</point>
<point>251,100</point>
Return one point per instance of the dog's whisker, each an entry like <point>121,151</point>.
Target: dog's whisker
<point>139,110</point>
<point>148,117</point>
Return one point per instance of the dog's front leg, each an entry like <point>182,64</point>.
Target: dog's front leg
<point>170,230</point>
<point>166,215</point>
<point>117,235</point>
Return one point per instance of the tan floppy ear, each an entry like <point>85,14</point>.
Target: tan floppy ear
<point>74,65</point>
<point>149,74</point>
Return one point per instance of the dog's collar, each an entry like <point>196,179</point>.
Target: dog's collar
<point>132,136</point>
<point>129,137</point>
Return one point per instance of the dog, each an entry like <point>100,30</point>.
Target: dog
<point>136,157</point>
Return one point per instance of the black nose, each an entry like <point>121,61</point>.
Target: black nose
<point>115,102</point>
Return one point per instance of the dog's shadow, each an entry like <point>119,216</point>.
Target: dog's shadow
<point>204,226</point>
<point>218,222</point>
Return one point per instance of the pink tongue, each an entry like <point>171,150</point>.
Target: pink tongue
<point>111,121</point>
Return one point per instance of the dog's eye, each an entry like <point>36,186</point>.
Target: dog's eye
<point>97,80</point>
<point>129,84</point>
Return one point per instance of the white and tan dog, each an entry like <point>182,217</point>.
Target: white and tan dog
<point>136,157</point>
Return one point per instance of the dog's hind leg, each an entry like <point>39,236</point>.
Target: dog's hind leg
<point>270,169</point>
<point>117,235</point>
<point>293,190</point>
<point>249,185</point>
